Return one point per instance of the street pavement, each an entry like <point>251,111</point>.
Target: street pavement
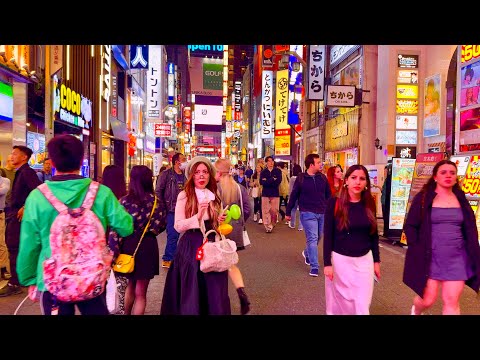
<point>277,280</point>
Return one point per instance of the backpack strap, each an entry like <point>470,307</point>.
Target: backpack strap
<point>90,196</point>
<point>57,204</point>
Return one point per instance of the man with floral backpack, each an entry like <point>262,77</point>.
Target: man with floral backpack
<point>62,238</point>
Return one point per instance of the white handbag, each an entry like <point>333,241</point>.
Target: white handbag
<point>255,191</point>
<point>218,255</point>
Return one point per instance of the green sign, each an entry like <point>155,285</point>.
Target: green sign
<point>212,76</point>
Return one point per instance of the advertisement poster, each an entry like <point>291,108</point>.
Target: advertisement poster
<point>406,122</point>
<point>471,181</point>
<point>423,171</point>
<point>407,107</point>
<point>402,174</point>
<point>462,165</point>
<point>431,109</point>
<point>407,77</point>
<point>36,142</point>
<point>407,91</point>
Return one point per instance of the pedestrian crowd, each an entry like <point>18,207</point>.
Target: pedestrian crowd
<point>73,241</point>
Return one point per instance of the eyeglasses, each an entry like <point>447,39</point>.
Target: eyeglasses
<point>200,173</point>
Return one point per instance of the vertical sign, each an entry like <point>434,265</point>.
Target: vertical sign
<point>56,60</point>
<point>171,83</point>
<point>238,97</point>
<point>267,101</point>
<point>402,174</point>
<point>296,85</point>
<point>153,83</point>
<point>282,129</point>
<point>316,74</point>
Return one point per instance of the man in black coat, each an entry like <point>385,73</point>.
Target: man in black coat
<point>25,181</point>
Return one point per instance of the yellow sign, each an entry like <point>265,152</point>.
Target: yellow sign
<point>282,142</point>
<point>281,103</point>
<point>407,91</point>
<point>407,106</point>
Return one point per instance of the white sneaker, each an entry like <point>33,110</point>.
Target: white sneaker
<point>290,226</point>
<point>254,217</point>
<point>300,229</point>
<point>260,221</point>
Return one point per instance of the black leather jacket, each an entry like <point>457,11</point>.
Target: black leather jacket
<point>167,190</point>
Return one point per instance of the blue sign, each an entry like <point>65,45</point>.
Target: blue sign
<point>139,56</point>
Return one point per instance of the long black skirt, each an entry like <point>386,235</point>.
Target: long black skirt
<point>189,291</point>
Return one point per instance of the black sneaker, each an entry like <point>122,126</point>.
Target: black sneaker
<point>10,289</point>
<point>305,256</point>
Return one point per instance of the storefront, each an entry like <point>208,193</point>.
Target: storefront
<point>72,114</point>
<point>341,140</point>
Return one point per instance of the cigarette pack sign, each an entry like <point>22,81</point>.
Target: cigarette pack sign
<point>471,181</point>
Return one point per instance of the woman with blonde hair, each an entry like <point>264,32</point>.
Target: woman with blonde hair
<point>231,193</point>
<point>188,290</point>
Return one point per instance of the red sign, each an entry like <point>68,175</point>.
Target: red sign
<point>187,115</point>
<point>163,130</point>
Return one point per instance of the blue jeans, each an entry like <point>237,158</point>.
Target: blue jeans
<point>294,216</point>
<point>172,238</point>
<point>313,226</point>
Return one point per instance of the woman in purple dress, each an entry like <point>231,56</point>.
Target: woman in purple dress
<point>443,249</point>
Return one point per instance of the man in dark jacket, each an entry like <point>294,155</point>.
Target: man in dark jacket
<point>270,179</point>
<point>312,191</point>
<point>24,182</point>
<point>169,184</point>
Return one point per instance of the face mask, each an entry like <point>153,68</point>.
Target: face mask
<point>183,165</point>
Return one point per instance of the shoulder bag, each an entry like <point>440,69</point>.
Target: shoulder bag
<point>246,238</point>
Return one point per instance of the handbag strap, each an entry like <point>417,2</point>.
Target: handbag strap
<point>146,227</point>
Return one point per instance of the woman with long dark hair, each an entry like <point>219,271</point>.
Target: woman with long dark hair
<point>257,200</point>
<point>139,202</point>
<point>114,178</point>
<point>188,290</point>
<point>296,170</point>
<point>443,249</point>
<point>351,253</point>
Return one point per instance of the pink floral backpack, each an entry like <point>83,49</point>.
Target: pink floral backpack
<point>80,260</point>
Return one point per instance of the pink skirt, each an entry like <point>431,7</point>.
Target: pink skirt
<point>351,290</point>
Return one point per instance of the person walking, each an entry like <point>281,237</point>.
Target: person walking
<point>46,173</point>
<point>283,189</point>
<point>351,254</point>
<point>140,202</point>
<point>24,182</point>
<point>70,188</point>
<point>442,238</point>
<point>270,179</point>
<point>4,262</point>
<point>335,179</point>
<point>230,193</point>
<point>188,290</point>
<point>113,177</point>
<point>311,190</point>
<point>169,184</point>
<point>296,170</point>
<point>257,194</point>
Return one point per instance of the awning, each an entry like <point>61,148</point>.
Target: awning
<point>119,129</point>
<point>14,74</point>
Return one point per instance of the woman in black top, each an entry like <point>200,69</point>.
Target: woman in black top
<point>351,254</point>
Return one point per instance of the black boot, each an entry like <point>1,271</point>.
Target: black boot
<point>244,302</point>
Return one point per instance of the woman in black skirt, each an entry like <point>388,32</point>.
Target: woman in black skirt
<point>139,203</point>
<point>189,291</point>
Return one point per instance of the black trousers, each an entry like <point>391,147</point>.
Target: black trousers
<point>12,240</point>
<point>95,306</point>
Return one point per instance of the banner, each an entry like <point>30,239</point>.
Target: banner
<point>316,73</point>
<point>402,174</point>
